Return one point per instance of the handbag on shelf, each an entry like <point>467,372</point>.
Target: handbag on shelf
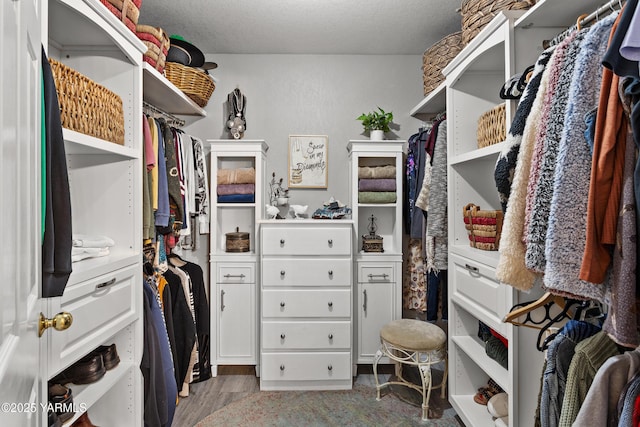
<point>483,226</point>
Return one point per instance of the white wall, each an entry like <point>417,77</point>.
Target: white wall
<point>314,95</point>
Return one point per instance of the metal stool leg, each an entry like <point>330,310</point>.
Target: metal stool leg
<point>425,375</point>
<point>375,372</point>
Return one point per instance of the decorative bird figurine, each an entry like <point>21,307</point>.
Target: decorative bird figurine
<point>272,211</point>
<point>299,210</point>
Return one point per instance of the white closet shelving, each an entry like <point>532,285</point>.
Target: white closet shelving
<point>234,309</point>
<point>378,298</point>
<point>104,295</point>
<point>161,93</point>
<point>506,46</point>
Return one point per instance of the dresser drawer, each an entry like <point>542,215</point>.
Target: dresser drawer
<point>306,303</point>
<point>309,335</point>
<point>306,241</point>
<point>306,366</point>
<point>376,273</point>
<point>478,284</point>
<point>236,272</point>
<point>306,272</point>
<point>100,307</point>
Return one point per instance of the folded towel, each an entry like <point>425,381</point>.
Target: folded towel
<point>91,251</point>
<point>88,241</point>
<point>377,197</point>
<point>227,189</point>
<point>236,198</point>
<point>91,254</point>
<point>379,184</point>
<point>377,172</point>
<point>236,176</point>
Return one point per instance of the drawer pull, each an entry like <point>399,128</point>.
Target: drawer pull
<point>330,272</point>
<point>282,273</point>
<point>282,367</point>
<point>229,276</point>
<point>282,336</point>
<point>221,300</point>
<point>383,276</point>
<point>330,367</point>
<point>330,304</point>
<point>282,304</point>
<point>105,284</point>
<point>364,304</point>
<point>281,242</point>
<point>330,241</point>
<point>471,268</point>
<point>330,336</point>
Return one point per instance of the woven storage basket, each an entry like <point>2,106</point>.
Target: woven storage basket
<point>157,42</point>
<point>196,84</point>
<point>86,106</point>
<point>127,11</point>
<point>483,227</point>
<point>437,57</point>
<point>492,126</point>
<point>476,14</point>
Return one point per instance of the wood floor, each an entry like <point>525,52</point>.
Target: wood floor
<point>233,383</point>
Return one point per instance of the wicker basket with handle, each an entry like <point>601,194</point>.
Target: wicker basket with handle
<point>476,14</point>
<point>484,227</point>
<point>437,57</point>
<point>127,11</point>
<point>196,84</point>
<point>86,106</point>
<point>492,127</point>
<point>157,42</point>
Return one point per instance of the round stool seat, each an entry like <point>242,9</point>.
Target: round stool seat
<point>413,334</point>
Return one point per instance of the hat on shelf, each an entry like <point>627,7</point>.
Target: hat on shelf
<point>183,52</point>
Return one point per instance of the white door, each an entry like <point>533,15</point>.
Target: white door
<point>375,311</point>
<point>21,389</point>
<point>236,336</point>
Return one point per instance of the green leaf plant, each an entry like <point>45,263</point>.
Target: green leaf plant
<point>376,120</point>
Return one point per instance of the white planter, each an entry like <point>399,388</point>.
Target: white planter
<point>376,135</point>
<point>283,201</point>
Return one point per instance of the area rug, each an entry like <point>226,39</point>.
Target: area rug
<point>356,407</point>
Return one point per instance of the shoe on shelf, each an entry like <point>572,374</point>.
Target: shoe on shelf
<point>83,421</point>
<point>487,392</point>
<point>498,405</point>
<point>59,394</point>
<point>87,370</point>
<point>109,355</point>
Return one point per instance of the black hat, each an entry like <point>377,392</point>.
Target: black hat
<point>183,52</point>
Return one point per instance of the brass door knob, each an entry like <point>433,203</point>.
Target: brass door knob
<point>59,322</point>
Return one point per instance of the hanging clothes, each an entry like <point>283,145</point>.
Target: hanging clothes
<point>202,186</point>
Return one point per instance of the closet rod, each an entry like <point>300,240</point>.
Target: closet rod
<point>603,10</point>
<point>153,110</point>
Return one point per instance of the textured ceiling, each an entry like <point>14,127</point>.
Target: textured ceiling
<point>306,26</point>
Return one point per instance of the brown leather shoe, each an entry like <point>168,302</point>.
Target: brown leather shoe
<point>109,355</point>
<point>83,421</point>
<point>62,399</point>
<point>87,370</point>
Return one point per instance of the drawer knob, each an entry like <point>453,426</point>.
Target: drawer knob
<point>282,241</point>
<point>330,272</point>
<point>59,322</point>
<point>330,241</point>
<point>282,367</point>
<point>330,304</point>
<point>471,268</point>
<point>282,304</point>
<point>282,336</point>
<point>330,368</point>
<point>330,336</point>
<point>282,273</point>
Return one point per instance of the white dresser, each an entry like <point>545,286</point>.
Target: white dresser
<point>306,301</point>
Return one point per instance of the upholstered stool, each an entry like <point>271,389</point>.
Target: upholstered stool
<point>415,343</point>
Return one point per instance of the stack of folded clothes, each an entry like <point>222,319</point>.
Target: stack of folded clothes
<point>236,185</point>
<point>377,184</point>
<point>87,246</point>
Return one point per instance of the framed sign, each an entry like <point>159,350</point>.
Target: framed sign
<point>308,161</point>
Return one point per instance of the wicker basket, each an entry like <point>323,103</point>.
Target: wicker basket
<point>157,42</point>
<point>86,106</point>
<point>492,126</point>
<point>476,14</point>
<point>196,84</point>
<point>127,11</point>
<point>483,227</point>
<point>437,57</point>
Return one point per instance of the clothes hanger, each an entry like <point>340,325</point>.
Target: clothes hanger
<point>546,301</point>
<point>543,342</point>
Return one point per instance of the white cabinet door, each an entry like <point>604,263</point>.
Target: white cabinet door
<point>236,322</point>
<point>374,311</point>
<point>20,368</point>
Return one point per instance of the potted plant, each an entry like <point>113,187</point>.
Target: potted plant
<point>377,123</point>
